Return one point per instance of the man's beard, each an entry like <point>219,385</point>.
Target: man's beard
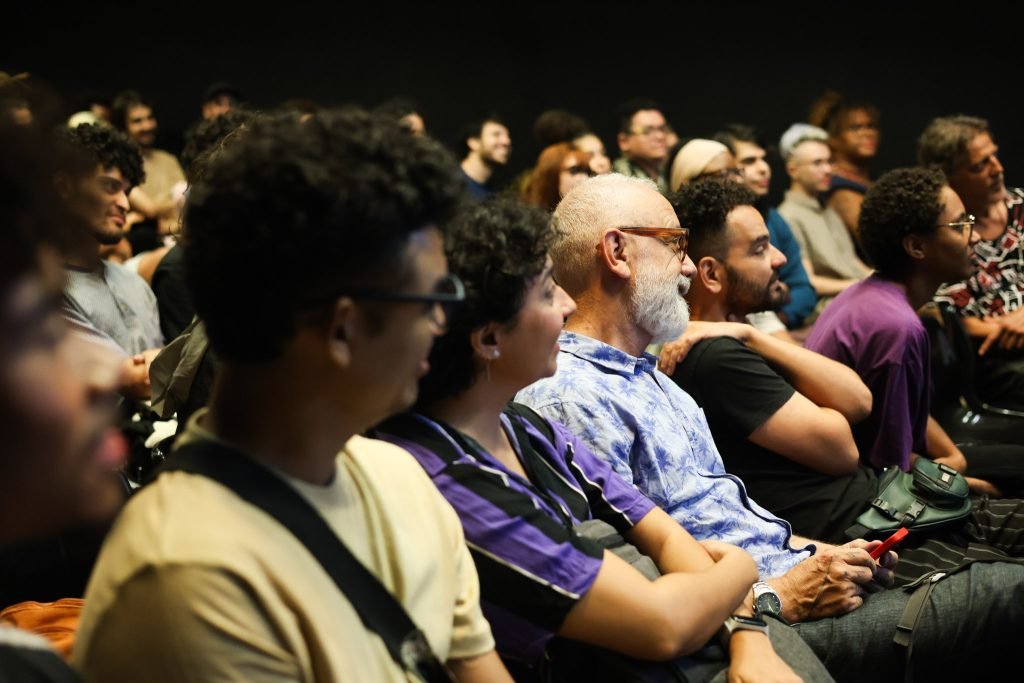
<point>747,296</point>
<point>657,306</point>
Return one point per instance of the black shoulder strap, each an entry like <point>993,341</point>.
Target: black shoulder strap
<point>377,608</point>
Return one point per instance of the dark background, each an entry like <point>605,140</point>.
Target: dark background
<point>707,63</point>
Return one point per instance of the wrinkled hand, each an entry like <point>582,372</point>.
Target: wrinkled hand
<point>834,581</point>
<point>674,352</point>
<point>752,659</point>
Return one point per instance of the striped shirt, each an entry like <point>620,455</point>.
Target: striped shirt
<point>533,567</point>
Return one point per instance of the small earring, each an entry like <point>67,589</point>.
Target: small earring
<point>495,353</point>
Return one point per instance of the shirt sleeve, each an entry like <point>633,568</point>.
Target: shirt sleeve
<point>734,385</point>
<point>471,634</point>
<point>802,296</point>
<point>176,612</point>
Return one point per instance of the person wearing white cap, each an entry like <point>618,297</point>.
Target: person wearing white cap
<point>828,251</point>
<point>700,158</point>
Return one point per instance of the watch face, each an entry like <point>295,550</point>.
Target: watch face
<point>768,603</point>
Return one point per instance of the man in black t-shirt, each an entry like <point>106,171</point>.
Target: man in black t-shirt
<point>779,413</point>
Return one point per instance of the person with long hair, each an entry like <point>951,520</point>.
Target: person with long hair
<point>529,493</point>
<point>559,168</point>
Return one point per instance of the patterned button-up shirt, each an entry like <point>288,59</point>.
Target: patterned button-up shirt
<point>655,436</point>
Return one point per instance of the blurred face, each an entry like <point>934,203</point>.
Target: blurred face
<point>529,346</point>
<point>592,145</point>
<point>950,248</point>
<point>751,264</point>
<point>56,409</point>
<point>494,145</point>
<point>979,181</point>
<point>100,200</point>
<point>221,104</point>
<point>390,362</point>
<point>660,278</point>
<point>859,139</point>
<point>140,125</point>
<point>574,169</point>
<point>414,122</point>
<point>646,140</point>
<point>752,161</point>
<point>811,166</point>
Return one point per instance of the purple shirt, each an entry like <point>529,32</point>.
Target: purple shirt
<point>872,328</point>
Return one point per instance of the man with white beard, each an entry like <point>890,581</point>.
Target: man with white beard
<point>621,254</point>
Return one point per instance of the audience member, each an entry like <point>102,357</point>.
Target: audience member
<point>752,160</point>
<point>829,255</point>
<point>991,299</point>
<point>559,168</point>
<point>343,207</point>
<point>700,158</point>
<point>852,129</point>
<point>219,99</point>
<point>407,112</point>
<point>642,142</point>
<point>487,147</point>
<point>592,145</point>
<point>628,290</point>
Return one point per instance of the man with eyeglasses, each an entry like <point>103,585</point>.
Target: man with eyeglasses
<point>991,299</point>
<point>829,255</point>
<point>643,142</point>
<point>611,395</point>
<point>322,318</point>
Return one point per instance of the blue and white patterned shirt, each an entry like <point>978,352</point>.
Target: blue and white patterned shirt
<point>656,437</point>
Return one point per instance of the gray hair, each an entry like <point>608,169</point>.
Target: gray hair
<point>589,208</point>
<point>943,144</point>
<point>796,135</point>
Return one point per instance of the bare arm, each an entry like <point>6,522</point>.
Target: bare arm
<point>669,617</point>
<point>149,207</point>
<point>847,204</point>
<point>824,285</point>
<point>941,449</point>
<point>482,669</point>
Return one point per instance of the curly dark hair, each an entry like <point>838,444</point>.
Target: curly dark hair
<point>296,213</point>
<point>902,202</point>
<point>207,134</point>
<point>831,111</point>
<point>702,207</point>
<point>497,247</point>
<point>87,145</point>
<point>943,144</point>
<point>557,125</point>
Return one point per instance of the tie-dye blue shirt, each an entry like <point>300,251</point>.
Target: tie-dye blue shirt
<point>656,437</point>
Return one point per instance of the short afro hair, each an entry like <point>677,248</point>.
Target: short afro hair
<point>703,207</point>
<point>295,213</point>
<point>498,248</point>
<point>902,202</point>
<point>90,145</point>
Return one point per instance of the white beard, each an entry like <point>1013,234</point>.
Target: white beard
<point>657,306</point>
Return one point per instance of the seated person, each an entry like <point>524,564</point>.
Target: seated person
<point>97,168</point>
<point>197,584</point>
<point>59,450</point>
<point>521,485</point>
<point>830,256</point>
<point>752,161</point>
<point>629,284</point>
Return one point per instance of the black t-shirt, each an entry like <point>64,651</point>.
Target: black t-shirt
<point>172,298</point>
<point>739,391</point>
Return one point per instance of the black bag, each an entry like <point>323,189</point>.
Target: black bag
<point>929,497</point>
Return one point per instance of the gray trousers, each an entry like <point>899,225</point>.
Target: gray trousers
<point>970,628</point>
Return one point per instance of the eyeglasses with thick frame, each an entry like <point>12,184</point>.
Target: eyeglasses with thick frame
<point>448,293</point>
<point>967,221</point>
<point>676,238</point>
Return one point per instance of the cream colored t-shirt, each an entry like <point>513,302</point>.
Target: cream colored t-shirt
<point>195,585</point>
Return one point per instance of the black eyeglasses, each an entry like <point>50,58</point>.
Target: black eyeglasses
<point>447,294</point>
<point>676,238</point>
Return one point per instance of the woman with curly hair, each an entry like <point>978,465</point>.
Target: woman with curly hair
<point>540,510</point>
<point>852,128</point>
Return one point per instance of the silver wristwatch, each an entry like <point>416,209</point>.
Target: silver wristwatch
<point>766,600</point>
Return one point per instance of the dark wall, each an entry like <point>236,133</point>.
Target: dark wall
<point>761,64</point>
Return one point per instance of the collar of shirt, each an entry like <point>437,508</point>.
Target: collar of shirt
<point>606,355</point>
<point>805,200</point>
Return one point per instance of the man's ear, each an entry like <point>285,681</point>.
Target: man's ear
<point>712,274</point>
<point>473,144</point>
<point>612,250</point>
<point>623,140</point>
<point>486,341</point>
<point>916,246</point>
<point>791,167</point>
<point>345,325</point>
